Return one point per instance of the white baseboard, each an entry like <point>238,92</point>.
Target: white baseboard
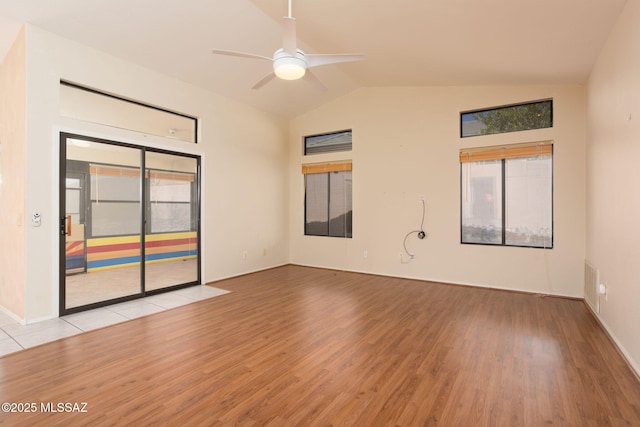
<point>12,315</point>
<point>623,351</point>
<point>219,279</point>
<point>436,280</point>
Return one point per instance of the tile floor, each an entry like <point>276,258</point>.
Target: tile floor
<point>87,288</point>
<point>15,337</point>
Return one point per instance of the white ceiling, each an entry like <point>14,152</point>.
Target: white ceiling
<point>406,42</point>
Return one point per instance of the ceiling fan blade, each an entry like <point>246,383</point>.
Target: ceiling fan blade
<point>239,54</point>
<point>264,81</point>
<point>313,79</point>
<point>314,60</point>
<point>289,42</point>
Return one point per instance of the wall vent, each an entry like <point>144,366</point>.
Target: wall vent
<point>591,280</point>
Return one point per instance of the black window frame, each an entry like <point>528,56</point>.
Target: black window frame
<point>138,103</point>
<point>505,107</point>
<point>348,229</point>
<point>503,208</point>
<point>327,149</point>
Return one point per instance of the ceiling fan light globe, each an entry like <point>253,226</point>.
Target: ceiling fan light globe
<point>289,71</point>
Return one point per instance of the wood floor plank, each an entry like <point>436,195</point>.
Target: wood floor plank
<point>301,346</point>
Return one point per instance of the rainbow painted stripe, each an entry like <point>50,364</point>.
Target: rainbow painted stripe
<point>112,252</point>
<point>74,253</point>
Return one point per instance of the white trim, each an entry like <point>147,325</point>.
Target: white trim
<point>623,351</point>
<point>440,281</point>
<point>12,315</point>
<point>213,281</point>
<point>40,319</point>
<point>145,141</point>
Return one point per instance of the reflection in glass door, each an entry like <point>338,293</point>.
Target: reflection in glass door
<point>171,240</point>
<point>102,222</point>
<point>113,217</point>
<point>75,219</point>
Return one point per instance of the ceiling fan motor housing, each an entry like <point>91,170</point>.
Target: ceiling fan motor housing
<point>287,66</point>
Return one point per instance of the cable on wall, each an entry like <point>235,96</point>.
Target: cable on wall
<point>421,234</point>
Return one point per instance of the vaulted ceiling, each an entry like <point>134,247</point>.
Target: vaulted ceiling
<point>406,43</point>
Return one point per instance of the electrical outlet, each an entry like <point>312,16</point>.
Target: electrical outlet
<point>244,255</point>
<point>422,198</point>
<point>602,290</point>
<point>365,254</point>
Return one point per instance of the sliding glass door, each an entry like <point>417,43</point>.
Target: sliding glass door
<point>124,233</point>
<point>171,239</point>
<point>101,222</point>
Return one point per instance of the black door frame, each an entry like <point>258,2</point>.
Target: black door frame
<point>64,136</point>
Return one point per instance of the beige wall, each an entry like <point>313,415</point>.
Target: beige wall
<point>405,145</point>
<point>613,205</point>
<point>244,155</point>
<point>12,197</point>
<point>406,142</point>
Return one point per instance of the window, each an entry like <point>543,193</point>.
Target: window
<point>171,201</point>
<point>328,142</point>
<point>115,199</point>
<point>328,205</point>
<point>510,118</point>
<point>93,106</point>
<point>507,195</point>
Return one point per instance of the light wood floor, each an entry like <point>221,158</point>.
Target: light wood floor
<point>305,347</point>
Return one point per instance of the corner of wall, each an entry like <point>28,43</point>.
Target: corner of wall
<point>12,158</point>
<point>612,210</point>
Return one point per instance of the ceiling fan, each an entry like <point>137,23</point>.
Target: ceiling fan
<point>291,63</point>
